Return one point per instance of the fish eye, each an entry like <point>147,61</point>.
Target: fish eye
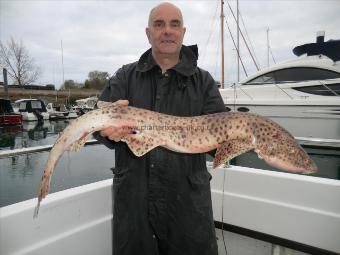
<point>135,132</point>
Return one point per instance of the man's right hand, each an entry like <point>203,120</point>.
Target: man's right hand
<point>114,133</point>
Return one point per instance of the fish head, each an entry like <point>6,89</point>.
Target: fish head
<point>283,152</point>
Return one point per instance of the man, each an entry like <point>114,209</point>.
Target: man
<point>162,200</point>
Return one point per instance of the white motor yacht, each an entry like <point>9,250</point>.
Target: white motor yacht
<point>307,87</point>
<point>61,112</point>
<point>31,109</point>
<point>86,104</point>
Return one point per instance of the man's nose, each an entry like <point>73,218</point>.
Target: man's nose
<point>167,29</point>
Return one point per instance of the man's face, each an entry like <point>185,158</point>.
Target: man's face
<point>166,31</point>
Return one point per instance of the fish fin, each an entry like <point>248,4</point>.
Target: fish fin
<point>102,104</point>
<point>230,149</point>
<point>78,144</point>
<point>141,144</point>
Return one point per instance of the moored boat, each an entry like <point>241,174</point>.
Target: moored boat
<point>60,113</point>
<point>7,114</point>
<point>308,87</point>
<point>32,109</point>
<point>86,104</point>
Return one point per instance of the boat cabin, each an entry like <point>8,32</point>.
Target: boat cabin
<point>32,109</point>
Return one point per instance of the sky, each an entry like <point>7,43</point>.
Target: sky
<point>104,35</point>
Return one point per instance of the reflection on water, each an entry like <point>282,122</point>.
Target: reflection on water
<point>30,134</point>
<point>20,175</point>
<point>7,136</point>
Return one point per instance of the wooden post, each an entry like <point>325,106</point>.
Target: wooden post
<point>5,82</point>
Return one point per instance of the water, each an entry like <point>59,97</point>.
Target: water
<point>327,160</point>
<point>20,175</point>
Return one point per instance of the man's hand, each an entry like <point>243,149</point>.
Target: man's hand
<point>113,133</point>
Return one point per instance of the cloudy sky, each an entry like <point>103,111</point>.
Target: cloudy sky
<point>103,35</point>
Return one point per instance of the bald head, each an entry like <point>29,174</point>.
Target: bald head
<point>164,7</point>
<point>165,33</point>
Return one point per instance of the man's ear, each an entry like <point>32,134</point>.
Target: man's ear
<point>184,30</point>
<point>147,32</point>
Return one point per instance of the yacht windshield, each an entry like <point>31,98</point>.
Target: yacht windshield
<point>36,104</point>
<point>22,106</point>
<point>5,106</point>
<point>296,74</point>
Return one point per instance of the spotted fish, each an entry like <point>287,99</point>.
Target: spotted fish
<point>230,133</point>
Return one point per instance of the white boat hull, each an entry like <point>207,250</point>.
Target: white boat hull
<point>74,221</point>
<point>289,111</point>
<point>302,115</point>
<point>302,209</point>
<point>301,121</point>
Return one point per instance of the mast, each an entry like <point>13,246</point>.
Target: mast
<point>62,63</point>
<point>245,42</point>
<point>62,60</point>
<point>238,42</point>
<point>222,45</point>
<point>268,47</point>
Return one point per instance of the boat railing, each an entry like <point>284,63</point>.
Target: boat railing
<point>240,87</point>
<point>281,89</point>
<point>9,153</point>
<point>306,141</point>
<point>275,84</point>
<point>329,89</point>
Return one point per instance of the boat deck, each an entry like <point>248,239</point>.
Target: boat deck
<point>299,211</point>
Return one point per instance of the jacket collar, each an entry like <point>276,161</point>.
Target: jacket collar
<point>186,66</point>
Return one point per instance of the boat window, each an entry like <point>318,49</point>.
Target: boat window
<point>22,106</point>
<point>321,90</point>
<point>299,74</point>
<point>5,106</point>
<point>266,78</point>
<point>36,104</point>
<point>296,74</point>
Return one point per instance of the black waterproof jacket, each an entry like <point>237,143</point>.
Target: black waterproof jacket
<point>162,200</point>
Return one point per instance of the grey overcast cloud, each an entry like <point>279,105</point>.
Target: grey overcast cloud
<point>104,35</point>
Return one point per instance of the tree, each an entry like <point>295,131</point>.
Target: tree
<point>97,80</point>
<point>19,64</point>
<point>71,84</point>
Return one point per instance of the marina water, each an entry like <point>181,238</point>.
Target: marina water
<point>20,174</point>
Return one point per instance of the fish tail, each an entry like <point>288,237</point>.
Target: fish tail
<point>36,210</point>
